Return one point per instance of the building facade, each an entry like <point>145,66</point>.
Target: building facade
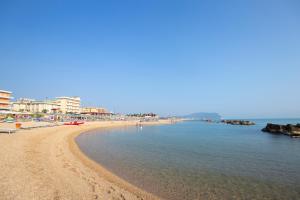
<point>22,105</point>
<point>94,111</point>
<point>5,97</point>
<point>50,107</point>
<point>59,105</point>
<point>33,106</point>
<point>68,104</point>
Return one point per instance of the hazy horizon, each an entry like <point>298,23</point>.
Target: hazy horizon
<point>240,59</point>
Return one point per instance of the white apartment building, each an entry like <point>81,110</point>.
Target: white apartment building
<point>68,104</point>
<point>44,106</point>
<point>22,105</point>
<point>31,105</point>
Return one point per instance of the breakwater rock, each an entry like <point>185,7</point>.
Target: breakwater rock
<point>289,129</point>
<point>238,122</point>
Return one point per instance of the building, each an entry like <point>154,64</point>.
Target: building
<point>22,105</point>
<point>33,106</point>
<point>59,105</point>
<point>94,111</point>
<point>50,107</point>
<point>5,97</point>
<point>68,104</point>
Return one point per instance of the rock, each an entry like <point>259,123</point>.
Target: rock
<point>273,128</point>
<point>289,129</point>
<point>238,122</point>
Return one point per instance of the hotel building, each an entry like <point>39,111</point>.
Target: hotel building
<point>5,97</point>
<point>68,104</point>
<point>31,105</point>
<point>94,111</point>
<point>59,105</point>
<point>22,105</point>
<point>50,107</point>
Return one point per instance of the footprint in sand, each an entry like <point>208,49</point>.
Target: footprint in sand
<point>93,187</point>
<point>66,165</point>
<point>74,170</point>
<point>59,155</point>
<point>122,197</point>
<point>56,195</point>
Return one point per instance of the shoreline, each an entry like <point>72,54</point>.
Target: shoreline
<point>46,163</point>
<point>110,176</point>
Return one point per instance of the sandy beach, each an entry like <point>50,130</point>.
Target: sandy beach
<point>46,163</point>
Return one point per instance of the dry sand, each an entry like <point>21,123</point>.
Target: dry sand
<point>46,163</point>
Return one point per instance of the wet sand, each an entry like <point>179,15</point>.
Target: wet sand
<point>46,163</point>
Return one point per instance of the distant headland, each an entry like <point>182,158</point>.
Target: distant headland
<point>203,116</point>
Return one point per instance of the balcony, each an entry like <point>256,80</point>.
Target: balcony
<point>2,96</point>
<point>2,106</point>
<point>6,102</point>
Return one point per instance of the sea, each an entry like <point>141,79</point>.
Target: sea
<point>199,160</point>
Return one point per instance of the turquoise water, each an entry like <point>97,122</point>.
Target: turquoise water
<point>198,160</point>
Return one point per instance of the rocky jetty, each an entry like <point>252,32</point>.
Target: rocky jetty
<point>289,129</point>
<point>238,122</point>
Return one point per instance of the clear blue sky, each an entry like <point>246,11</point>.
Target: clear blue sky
<point>239,58</point>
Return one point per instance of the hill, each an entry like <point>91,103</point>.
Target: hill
<point>203,116</point>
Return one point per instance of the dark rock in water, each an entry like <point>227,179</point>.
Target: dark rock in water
<point>238,122</point>
<point>273,128</point>
<point>289,129</point>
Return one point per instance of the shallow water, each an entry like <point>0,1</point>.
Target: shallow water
<point>197,160</point>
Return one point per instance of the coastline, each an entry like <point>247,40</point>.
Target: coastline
<point>46,163</point>
<point>102,171</point>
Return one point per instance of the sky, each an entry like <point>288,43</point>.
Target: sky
<point>240,58</point>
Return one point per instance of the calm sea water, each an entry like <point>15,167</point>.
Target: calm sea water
<point>198,160</point>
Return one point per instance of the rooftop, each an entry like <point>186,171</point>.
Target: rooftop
<point>71,98</point>
<point>4,91</point>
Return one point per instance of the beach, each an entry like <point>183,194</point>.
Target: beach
<point>46,163</point>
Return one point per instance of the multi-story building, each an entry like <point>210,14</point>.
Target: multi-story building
<point>31,105</point>
<point>44,107</point>
<point>5,97</point>
<point>94,111</point>
<point>68,104</point>
<point>22,105</point>
<point>59,105</point>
